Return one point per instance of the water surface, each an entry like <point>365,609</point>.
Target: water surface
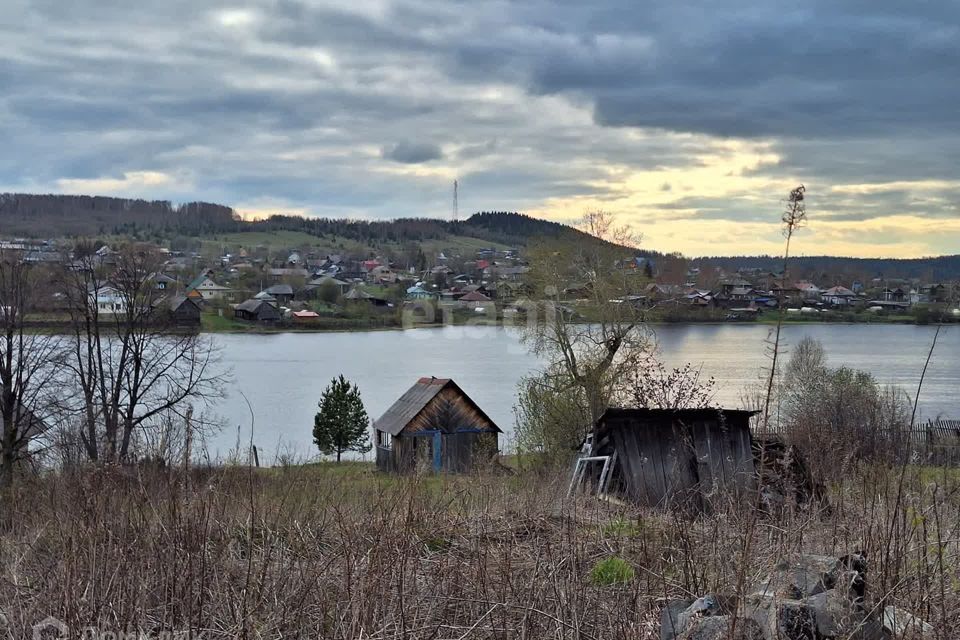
<point>284,374</point>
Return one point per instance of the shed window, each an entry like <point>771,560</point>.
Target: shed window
<point>384,441</point>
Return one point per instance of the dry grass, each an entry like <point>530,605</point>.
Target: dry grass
<point>346,553</point>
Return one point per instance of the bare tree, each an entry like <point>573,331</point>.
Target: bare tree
<point>131,370</point>
<point>588,322</point>
<point>651,386</point>
<point>28,361</point>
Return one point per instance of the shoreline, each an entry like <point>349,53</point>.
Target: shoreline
<point>255,329</point>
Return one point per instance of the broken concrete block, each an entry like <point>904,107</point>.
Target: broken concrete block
<point>837,616</point>
<point>780,618</point>
<point>670,618</point>
<point>809,575</point>
<point>718,628</point>
<point>679,615</point>
<point>901,625</point>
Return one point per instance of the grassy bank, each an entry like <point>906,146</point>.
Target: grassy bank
<point>344,552</point>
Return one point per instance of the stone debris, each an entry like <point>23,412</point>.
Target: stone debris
<point>809,598</point>
<point>905,626</point>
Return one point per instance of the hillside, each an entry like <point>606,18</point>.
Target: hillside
<point>67,216</point>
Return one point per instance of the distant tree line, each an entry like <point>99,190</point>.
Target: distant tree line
<point>822,269</point>
<point>31,215</point>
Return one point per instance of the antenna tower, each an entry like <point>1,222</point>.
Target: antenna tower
<point>456,201</point>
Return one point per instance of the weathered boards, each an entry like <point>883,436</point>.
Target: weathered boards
<point>682,457</point>
<point>434,426</point>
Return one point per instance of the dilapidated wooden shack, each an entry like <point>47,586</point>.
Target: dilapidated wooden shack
<point>684,457</point>
<point>437,427</point>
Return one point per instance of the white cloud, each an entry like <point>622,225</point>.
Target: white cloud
<point>133,183</point>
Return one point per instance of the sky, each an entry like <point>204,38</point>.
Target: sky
<point>691,121</point>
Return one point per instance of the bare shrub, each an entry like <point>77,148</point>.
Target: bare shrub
<point>651,386</point>
<point>838,415</point>
<point>551,417</point>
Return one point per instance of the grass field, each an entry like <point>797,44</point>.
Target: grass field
<point>341,551</point>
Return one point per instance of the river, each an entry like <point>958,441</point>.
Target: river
<point>282,375</point>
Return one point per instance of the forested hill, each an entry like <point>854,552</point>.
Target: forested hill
<point>47,216</point>
<point>57,216</point>
<point>840,270</point>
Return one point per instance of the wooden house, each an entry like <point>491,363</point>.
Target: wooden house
<point>184,311</point>
<point>434,426</point>
<point>254,310</point>
<point>359,295</point>
<point>676,458</point>
<point>282,293</point>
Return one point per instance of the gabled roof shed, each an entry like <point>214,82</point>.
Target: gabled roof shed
<point>435,426</point>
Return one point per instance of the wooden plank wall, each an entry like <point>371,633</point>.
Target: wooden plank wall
<point>683,465</point>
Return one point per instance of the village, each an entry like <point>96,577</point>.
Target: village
<point>256,288</point>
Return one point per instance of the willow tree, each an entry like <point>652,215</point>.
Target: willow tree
<point>585,318</point>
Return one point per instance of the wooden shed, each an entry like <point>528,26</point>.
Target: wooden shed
<point>683,457</point>
<point>434,426</point>
<point>254,310</point>
<point>184,311</point>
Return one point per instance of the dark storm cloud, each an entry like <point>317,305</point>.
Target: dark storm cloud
<point>412,152</point>
<point>372,107</point>
<point>763,69</point>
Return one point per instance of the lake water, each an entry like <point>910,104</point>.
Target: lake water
<point>283,375</point>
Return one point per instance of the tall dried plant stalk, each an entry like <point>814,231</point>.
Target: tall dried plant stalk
<point>794,217</point>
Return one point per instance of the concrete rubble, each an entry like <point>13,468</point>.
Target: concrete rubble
<point>809,598</point>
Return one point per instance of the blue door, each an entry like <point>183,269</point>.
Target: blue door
<point>437,454</point>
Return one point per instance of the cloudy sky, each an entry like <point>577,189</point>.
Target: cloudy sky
<point>690,120</point>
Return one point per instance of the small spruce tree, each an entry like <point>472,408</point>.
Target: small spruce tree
<point>342,422</point>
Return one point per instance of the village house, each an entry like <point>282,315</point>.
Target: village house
<point>184,311</point>
<point>936,293</point>
<point>108,300</point>
<point>312,288</point>
<point>253,310</point>
<point>163,282</point>
<point>808,290</point>
<point>209,289</point>
<point>839,296</point>
<point>382,275</point>
<point>282,293</point>
<point>359,295</point>
<point>474,300</point>
<point>417,292</point>
<point>898,294</point>
<point>727,287</point>
<point>435,426</point>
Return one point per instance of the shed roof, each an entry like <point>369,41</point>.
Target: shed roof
<point>664,415</point>
<point>177,301</point>
<point>416,398</point>
<point>252,305</point>
<point>280,290</point>
<point>475,296</point>
<point>676,413</point>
